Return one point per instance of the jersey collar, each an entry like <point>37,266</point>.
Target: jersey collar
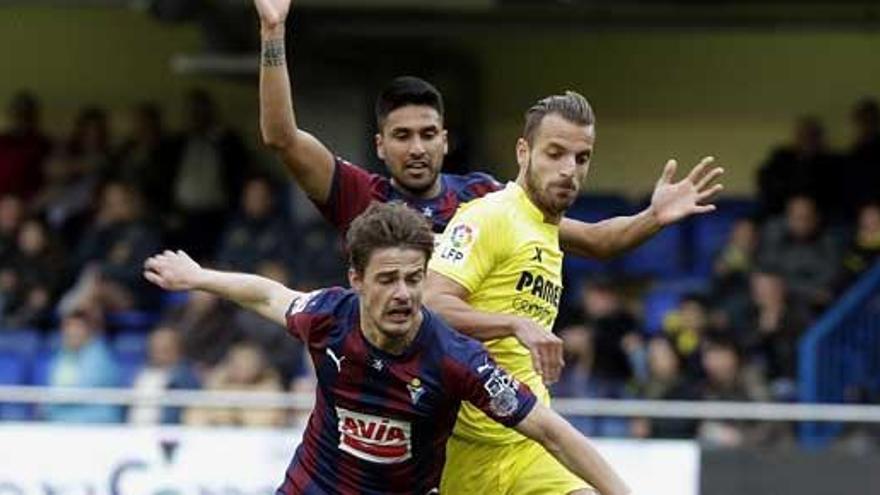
<point>528,206</point>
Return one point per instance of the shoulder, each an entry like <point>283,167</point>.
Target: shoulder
<point>473,185</point>
<point>344,169</point>
<point>454,346</point>
<point>334,300</point>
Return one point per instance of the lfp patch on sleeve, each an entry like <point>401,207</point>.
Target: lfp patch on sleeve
<point>456,246</point>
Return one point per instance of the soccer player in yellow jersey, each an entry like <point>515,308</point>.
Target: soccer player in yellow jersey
<point>497,275</point>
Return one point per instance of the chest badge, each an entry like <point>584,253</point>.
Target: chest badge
<point>416,390</point>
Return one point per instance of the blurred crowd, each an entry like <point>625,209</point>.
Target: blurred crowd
<point>80,214</point>
<point>815,228</point>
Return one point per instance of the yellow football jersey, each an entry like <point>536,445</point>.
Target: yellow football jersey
<point>503,252</point>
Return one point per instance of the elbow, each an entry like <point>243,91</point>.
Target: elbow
<point>279,140</point>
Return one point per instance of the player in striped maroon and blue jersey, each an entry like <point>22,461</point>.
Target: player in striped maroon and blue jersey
<point>391,374</point>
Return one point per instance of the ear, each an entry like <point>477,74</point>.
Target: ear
<point>445,137</point>
<point>355,280</point>
<point>380,146</point>
<point>522,153</point>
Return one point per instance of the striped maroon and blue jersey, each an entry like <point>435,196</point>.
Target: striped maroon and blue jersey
<point>353,189</point>
<point>381,421</point>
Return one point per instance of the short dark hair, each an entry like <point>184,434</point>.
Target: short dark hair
<point>387,225</point>
<point>571,106</point>
<point>407,90</point>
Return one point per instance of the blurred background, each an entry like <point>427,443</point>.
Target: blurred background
<point>772,299</point>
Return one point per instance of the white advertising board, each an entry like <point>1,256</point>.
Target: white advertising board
<point>38,459</point>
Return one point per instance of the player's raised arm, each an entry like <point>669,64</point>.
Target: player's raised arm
<point>307,159</point>
<point>670,202</point>
<point>572,449</point>
<point>175,270</point>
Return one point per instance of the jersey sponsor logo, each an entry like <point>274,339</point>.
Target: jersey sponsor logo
<point>458,243</point>
<point>539,287</point>
<point>536,310</point>
<point>374,438</point>
<point>501,388</point>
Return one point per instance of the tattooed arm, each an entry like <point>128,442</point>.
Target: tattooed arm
<point>307,159</point>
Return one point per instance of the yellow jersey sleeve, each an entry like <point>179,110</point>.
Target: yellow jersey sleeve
<point>475,240</point>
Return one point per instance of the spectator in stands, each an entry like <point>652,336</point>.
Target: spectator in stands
<point>23,148</point>
<point>802,251</point>
<point>862,182</point>
<point>208,175</point>
<point>733,264</point>
<point>11,215</point>
<point>114,249</point>
<point>207,326</point>
<point>244,369</point>
<point>166,370</point>
<point>769,327</point>
<point>614,332</point>
<point>11,211</point>
<point>687,328</point>
<point>801,168</point>
<point>66,197</point>
<point>864,249</point>
<point>88,147</point>
<point>257,232</point>
<point>578,380</point>
<point>665,381</point>
<point>725,381</point>
<point>284,353</point>
<point>37,267</point>
<point>83,361</point>
<point>147,158</point>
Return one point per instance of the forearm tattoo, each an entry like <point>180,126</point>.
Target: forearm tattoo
<point>273,52</point>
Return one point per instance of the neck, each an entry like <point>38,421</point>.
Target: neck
<point>549,217</point>
<point>429,193</point>
<point>392,344</point>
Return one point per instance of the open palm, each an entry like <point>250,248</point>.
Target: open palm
<point>272,12</point>
<point>673,201</point>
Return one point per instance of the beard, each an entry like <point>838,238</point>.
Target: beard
<point>543,198</point>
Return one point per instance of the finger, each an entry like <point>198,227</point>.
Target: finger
<point>704,209</point>
<point>152,263</point>
<point>155,278</point>
<point>536,361</point>
<point>547,364</point>
<point>698,171</point>
<point>709,178</point>
<point>556,360</point>
<point>668,171</point>
<point>706,195</point>
<point>559,359</point>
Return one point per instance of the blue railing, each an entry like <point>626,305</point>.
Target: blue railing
<point>839,356</point>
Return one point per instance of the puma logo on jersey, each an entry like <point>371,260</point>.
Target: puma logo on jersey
<point>336,360</point>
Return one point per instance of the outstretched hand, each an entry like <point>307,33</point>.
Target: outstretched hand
<point>172,270</point>
<point>674,201</point>
<point>272,12</point>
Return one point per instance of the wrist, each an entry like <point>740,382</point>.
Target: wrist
<point>652,218</point>
<point>201,279</point>
<point>272,31</point>
<point>510,326</point>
